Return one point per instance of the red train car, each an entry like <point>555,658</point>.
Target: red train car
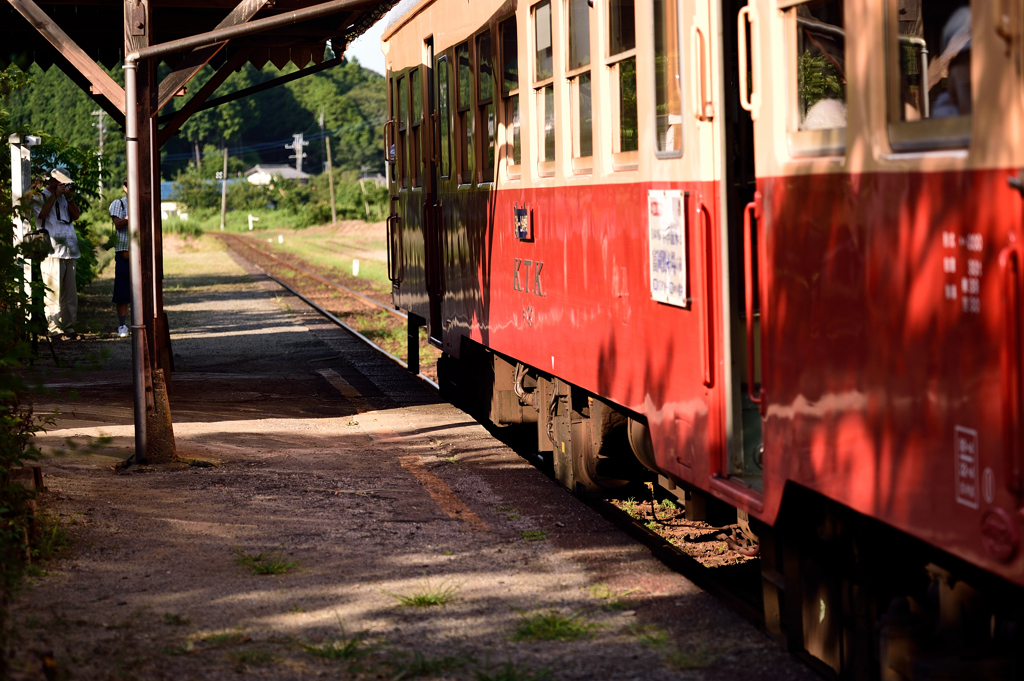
<point>769,250</point>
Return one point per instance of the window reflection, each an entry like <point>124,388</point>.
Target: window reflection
<point>934,59</point>
<point>667,90</point>
<point>821,65</point>
<point>542,19</point>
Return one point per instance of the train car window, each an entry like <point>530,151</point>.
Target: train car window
<point>579,78</point>
<point>416,126</point>
<point>544,88</point>
<point>486,120</point>
<point>668,98</point>
<point>403,131</point>
<point>442,112</point>
<point>622,64</point>
<point>464,119</point>
<point>579,33</point>
<point>510,93</point>
<point>542,21</point>
<point>930,95</point>
<point>817,78</point>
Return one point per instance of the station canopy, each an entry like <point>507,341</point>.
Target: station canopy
<point>78,35</point>
<point>98,27</point>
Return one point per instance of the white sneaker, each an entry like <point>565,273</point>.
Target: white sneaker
<point>122,331</point>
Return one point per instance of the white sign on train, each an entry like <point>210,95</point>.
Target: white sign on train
<point>666,235</point>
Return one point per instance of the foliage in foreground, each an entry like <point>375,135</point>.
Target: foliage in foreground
<point>18,422</point>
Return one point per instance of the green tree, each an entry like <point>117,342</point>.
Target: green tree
<point>221,123</point>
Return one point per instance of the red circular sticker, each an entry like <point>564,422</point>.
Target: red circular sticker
<point>999,534</point>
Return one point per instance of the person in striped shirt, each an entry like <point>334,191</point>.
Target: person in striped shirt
<point>122,277</point>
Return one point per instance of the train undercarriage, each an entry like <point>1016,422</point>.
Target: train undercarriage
<point>853,597</point>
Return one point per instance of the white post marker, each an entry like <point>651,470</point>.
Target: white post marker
<point>355,268</point>
<point>280,239</point>
<point>252,219</point>
<point>21,183</point>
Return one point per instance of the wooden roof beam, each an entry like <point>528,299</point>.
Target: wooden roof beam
<point>81,81</point>
<point>100,83</point>
<point>195,60</point>
<point>260,87</point>
<point>180,117</point>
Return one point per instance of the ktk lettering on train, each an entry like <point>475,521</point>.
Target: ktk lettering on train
<point>518,277</point>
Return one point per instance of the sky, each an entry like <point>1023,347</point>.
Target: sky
<point>366,48</point>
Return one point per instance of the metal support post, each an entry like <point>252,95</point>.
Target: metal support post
<point>224,189</point>
<point>135,259</point>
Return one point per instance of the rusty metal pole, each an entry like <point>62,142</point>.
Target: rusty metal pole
<point>135,260</point>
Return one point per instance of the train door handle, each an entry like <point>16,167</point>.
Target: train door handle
<point>1006,21</point>
<point>435,156</point>
<point>707,286</point>
<point>756,396</point>
<point>750,97</point>
<point>1017,181</point>
<point>1010,262</point>
<point>703,109</point>
<point>389,141</point>
<point>396,266</point>
<point>439,245</point>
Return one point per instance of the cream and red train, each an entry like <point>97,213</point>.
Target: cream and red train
<point>776,247</point>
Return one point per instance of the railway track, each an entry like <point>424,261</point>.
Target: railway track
<point>233,242</point>
<point>737,585</point>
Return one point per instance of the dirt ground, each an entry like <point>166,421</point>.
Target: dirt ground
<point>370,499</point>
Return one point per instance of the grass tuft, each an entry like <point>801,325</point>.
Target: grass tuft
<point>175,619</point>
<point>273,562</point>
<point>696,658</point>
<point>631,507</point>
<point>649,635</point>
<point>243,659</point>
<point>421,665</point>
<point>509,672</point>
<point>551,626</point>
<point>533,535</point>
<point>612,598</point>
<point>224,638</point>
<point>426,596</point>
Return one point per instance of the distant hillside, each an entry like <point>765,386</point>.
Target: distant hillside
<point>255,129</point>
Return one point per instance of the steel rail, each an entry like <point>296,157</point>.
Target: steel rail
<point>333,318</point>
<point>397,313</point>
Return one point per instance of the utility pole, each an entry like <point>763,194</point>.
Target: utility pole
<point>330,169</point>
<point>102,126</point>
<point>224,189</point>
<point>297,145</point>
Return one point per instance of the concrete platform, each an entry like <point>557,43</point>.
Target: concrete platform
<point>306,444</point>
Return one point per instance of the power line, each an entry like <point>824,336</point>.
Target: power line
<point>276,144</point>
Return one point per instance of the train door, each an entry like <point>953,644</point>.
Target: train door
<point>433,216</point>
<point>738,272</point>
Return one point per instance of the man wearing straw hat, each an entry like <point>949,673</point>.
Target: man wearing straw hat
<point>56,211</point>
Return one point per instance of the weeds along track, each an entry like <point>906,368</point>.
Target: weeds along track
<point>708,556</point>
<point>375,321</point>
